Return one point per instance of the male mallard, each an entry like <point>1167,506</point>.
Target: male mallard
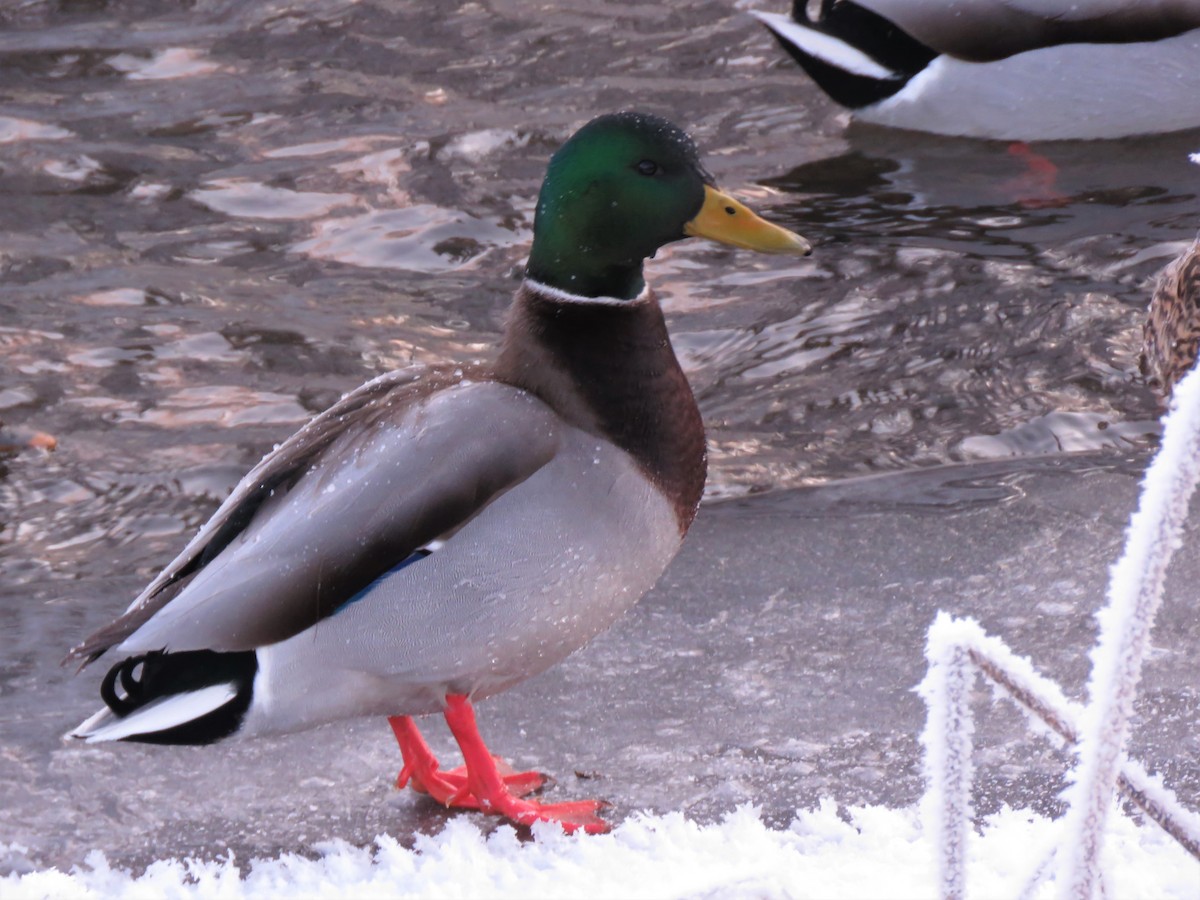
<point>439,535</point>
<point>1009,69</point>
<point>1171,336</point>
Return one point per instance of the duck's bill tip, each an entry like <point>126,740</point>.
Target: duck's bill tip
<point>727,221</point>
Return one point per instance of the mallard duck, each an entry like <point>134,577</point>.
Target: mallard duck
<point>1008,69</point>
<point>442,534</point>
<point>1171,335</point>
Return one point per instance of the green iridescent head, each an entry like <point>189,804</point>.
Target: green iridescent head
<point>621,187</point>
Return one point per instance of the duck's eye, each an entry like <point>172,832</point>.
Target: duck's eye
<point>647,167</point>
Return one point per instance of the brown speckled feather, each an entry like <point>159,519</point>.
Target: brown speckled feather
<point>1171,336</point>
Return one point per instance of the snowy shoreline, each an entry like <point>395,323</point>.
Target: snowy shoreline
<point>878,852</point>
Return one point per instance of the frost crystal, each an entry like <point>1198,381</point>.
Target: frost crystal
<point>1134,594</point>
<point>955,648</point>
<point>947,741</point>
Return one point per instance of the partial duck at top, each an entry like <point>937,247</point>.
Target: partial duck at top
<point>440,535</point>
<point>1003,69</point>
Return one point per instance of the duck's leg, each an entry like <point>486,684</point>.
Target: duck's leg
<point>491,790</point>
<point>1035,188</point>
<point>449,788</point>
<point>420,765</point>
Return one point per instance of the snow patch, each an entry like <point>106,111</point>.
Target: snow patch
<point>866,852</point>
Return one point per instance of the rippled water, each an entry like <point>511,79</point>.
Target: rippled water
<point>216,217</point>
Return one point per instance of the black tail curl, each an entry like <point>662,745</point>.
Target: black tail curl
<point>868,32</point>
<point>139,680</point>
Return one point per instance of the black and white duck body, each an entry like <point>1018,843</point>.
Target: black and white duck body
<point>440,535</point>
<point>1003,69</point>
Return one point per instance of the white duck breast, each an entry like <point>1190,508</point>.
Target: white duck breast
<point>1004,70</point>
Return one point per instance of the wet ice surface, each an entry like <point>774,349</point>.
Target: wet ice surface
<point>213,222</point>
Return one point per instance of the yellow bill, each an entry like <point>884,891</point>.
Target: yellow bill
<point>727,221</point>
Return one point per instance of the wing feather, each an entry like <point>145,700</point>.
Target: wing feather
<point>392,466</point>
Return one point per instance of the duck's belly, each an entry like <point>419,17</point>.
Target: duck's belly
<point>1072,91</point>
<point>536,575</point>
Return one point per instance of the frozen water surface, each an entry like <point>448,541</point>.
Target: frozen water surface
<point>215,218</point>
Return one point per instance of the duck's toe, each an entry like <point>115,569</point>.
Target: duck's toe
<point>423,774</point>
<point>450,788</point>
<point>572,815</point>
<point>519,784</point>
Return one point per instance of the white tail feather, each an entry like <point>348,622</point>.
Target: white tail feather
<point>162,714</point>
<point>824,47</point>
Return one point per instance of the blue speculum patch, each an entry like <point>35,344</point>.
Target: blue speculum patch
<point>414,557</point>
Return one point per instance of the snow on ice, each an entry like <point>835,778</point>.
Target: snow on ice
<point>865,853</point>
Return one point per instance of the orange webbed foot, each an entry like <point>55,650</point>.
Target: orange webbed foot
<point>486,782</point>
